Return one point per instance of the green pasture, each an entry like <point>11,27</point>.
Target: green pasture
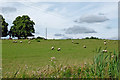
<point>37,55</point>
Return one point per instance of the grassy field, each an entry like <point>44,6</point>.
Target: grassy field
<point>38,54</point>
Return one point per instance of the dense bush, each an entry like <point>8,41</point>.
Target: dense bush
<point>38,40</point>
<point>40,37</point>
<point>91,37</point>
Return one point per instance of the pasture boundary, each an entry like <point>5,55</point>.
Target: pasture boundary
<point>60,79</point>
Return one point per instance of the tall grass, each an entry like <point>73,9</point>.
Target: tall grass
<point>104,65</point>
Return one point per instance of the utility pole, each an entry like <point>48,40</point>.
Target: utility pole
<point>46,33</point>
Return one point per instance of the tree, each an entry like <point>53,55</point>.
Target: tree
<point>4,25</point>
<point>22,27</point>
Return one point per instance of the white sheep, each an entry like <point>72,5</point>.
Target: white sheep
<point>20,41</point>
<point>14,41</point>
<point>29,42</point>
<point>105,43</point>
<point>84,46</point>
<point>58,49</point>
<point>52,48</point>
<point>72,41</point>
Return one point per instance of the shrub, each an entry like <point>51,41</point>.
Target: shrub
<point>40,37</point>
<point>38,40</point>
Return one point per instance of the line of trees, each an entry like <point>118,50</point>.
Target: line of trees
<point>22,27</point>
<point>91,37</point>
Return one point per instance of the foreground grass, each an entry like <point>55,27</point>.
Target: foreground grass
<point>30,60</point>
<point>104,65</point>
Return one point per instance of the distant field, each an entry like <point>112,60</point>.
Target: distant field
<point>38,54</point>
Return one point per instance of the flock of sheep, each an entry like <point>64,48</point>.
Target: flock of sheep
<point>58,49</point>
<point>105,43</point>
<point>52,48</point>
<point>21,41</point>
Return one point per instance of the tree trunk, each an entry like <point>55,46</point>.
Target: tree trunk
<point>25,37</point>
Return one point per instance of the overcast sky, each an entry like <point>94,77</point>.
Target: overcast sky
<point>67,19</point>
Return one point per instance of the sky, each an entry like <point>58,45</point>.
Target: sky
<point>66,19</point>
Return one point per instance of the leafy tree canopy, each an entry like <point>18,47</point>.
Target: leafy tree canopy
<point>4,25</point>
<point>22,27</point>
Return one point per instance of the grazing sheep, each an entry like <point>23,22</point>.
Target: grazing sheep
<point>84,46</point>
<point>52,48</point>
<point>105,43</point>
<point>72,41</point>
<point>58,49</point>
<point>29,42</point>
<point>20,41</point>
<point>14,41</point>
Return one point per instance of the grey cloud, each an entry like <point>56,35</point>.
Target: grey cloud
<point>58,34</point>
<point>78,30</point>
<point>8,9</point>
<point>108,28</point>
<point>92,19</point>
